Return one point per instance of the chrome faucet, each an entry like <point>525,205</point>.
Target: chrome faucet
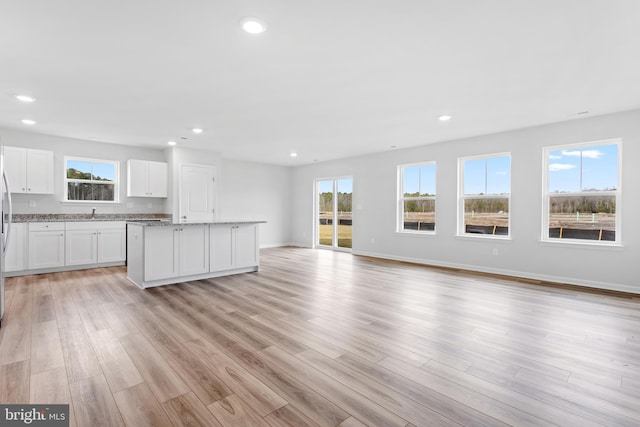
<point>93,213</point>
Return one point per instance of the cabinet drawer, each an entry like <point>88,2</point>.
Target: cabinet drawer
<point>46,226</point>
<point>95,225</point>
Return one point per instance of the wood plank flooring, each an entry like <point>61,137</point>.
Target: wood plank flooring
<point>321,338</point>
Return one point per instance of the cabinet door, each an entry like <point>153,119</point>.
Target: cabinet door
<point>194,250</point>
<point>14,258</point>
<point>137,178</point>
<point>39,171</point>
<point>161,261</point>
<point>221,238</point>
<point>15,165</point>
<point>112,245</point>
<point>246,245</point>
<point>46,249</point>
<point>81,247</point>
<point>157,179</point>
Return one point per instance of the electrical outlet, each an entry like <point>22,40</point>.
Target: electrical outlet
<point>129,205</point>
<point>495,251</point>
<point>32,203</point>
<point>373,240</point>
<point>149,205</point>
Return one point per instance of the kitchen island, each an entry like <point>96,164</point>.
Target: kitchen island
<point>163,253</point>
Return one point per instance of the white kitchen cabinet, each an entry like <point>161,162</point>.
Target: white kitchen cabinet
<point>112,244</point>
<point>81,247</point>
<point>159,253</point>
<point>165,254</point>
<point>233,246</point>
<point>46,245</point>
<point>172,251</point>
<point>14,257</point>
<point>29,170</point>
<point>95,242</point>
<point>146,178</point>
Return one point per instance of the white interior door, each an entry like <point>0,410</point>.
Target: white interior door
<point>197,193</point>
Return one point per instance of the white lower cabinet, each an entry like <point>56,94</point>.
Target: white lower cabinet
<point>177,250</point>
<point>112,244</point>
<point>95,242</point>
<point>46,245</point>
<point>14,257</point>
<point>54,246</point>
<point>165,254</point>
<point>234,246</point>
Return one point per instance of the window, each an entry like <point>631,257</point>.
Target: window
<point>90,180</point>
<point>582,192</point>
<point>417,205</point>
<point>485,189</point>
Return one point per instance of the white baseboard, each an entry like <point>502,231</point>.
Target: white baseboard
<point>523,274</point>
<point>282,245</point>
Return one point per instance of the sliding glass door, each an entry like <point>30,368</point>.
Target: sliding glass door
<point>334,219</point>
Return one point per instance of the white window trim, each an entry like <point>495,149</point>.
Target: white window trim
<point>116,183</point>
<point>461,198</point>
<point>400,200</point>
<point>545,239</point>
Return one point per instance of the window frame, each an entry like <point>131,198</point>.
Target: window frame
<point>402,198</point>
<point>546,195</point>
<point>116,182</point>
<point>461,229</point>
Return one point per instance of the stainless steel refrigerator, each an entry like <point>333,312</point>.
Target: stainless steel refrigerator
<point>6,227</point>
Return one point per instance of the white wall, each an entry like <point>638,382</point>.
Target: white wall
<point>61,147</point>
<point>257,191</point>
<point>375,201</point>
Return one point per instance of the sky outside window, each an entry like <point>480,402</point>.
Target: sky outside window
<point>487,176</point>
<point>420,180</point>
<point>101,170</point>
<point>596,167</point>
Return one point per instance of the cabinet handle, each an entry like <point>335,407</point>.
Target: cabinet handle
<point>62,234</point>
<point>28,189</point>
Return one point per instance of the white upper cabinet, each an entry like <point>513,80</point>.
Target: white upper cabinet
<point>146,178</point>
<point>28,170</point>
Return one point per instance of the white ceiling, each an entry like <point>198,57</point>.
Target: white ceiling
<point>329,79</point>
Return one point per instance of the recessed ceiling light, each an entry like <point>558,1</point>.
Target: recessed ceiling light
<point>171,143</point>
<point>197,130</point>
<point>25,98</point>
<point>253,26</point>
<point>294,154</point>
<point>444,118</point>
<point>28,122</point>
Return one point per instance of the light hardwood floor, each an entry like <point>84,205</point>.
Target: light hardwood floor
<point>322,338</point>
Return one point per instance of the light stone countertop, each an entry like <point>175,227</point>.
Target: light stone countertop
<point>87,217</point>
